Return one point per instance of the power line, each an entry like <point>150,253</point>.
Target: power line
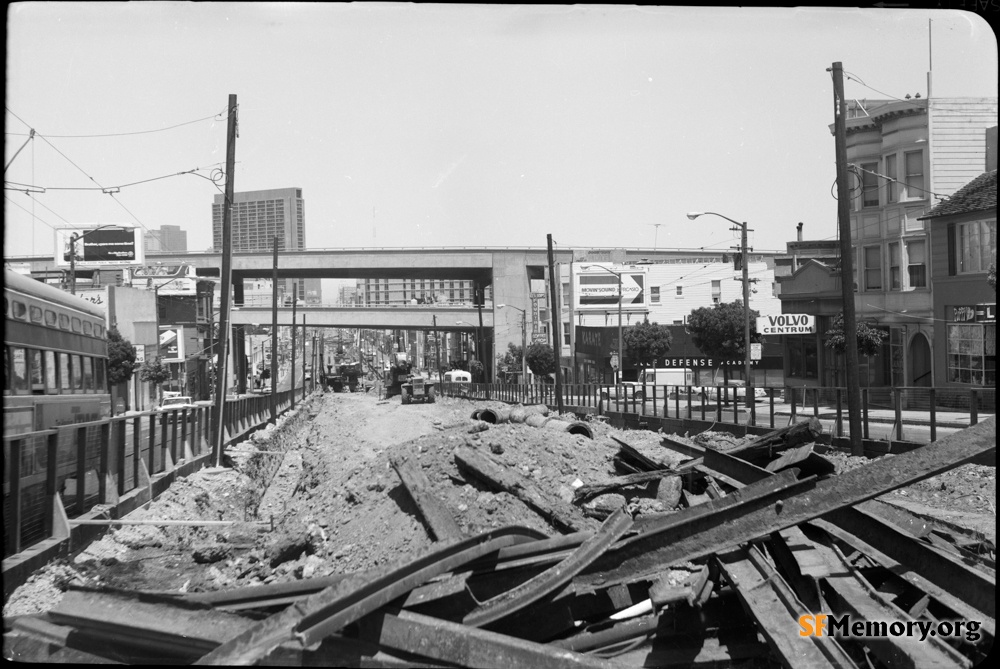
<point>117,188</point>
<point>216,117</point>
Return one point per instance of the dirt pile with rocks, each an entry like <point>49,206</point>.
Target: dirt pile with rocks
<point>322,497</point>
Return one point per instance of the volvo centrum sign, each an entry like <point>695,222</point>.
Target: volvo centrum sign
<point>787,324</point>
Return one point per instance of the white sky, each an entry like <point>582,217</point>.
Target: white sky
<point>459,125</point>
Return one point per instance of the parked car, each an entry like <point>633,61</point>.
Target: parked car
<point>734,390</point>
<point>629,389</point>
<point>177,402</point>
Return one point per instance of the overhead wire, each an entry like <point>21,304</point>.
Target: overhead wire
<point>214,117</point>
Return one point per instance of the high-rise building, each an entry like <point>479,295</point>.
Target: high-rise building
<point>258,217</point>
<point>169,239</point>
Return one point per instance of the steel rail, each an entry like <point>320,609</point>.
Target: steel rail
<point>532,590</point>
<point>329,610</point>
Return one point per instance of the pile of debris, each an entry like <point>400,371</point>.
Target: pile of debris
<point>708,552</point>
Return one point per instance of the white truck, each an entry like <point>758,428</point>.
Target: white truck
<point>643,388</point>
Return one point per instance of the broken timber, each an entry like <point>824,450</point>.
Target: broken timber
<point>710,532</point>
<point>441,523</point>
<point>503,478</point>
<point>589,490</point>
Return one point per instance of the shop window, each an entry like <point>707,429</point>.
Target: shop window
<point>967,354</point>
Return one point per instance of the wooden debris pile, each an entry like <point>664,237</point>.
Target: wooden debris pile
<point>746,549</point>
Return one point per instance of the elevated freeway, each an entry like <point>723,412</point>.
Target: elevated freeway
<point>386,317</point>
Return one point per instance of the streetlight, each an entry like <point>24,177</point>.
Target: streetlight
<point>621,360</point>
<point>73,239</point>
<point>746,296</point>
<point>524,338</point>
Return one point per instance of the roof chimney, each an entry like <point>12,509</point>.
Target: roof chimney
<point>798,229</point>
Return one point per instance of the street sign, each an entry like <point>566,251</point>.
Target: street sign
<point>787,324</point>
<point>614,361</point>
<point>755,351</point>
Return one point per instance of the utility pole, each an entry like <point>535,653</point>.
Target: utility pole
<point>846,263</point>
<point>556,347</point>
<point>295,299</point>
<point>748,386</point>
<point>222,349</point>
<point>437,349</point>
<point>274,333</point>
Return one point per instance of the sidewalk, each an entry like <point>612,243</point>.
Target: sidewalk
<point>956,419</point>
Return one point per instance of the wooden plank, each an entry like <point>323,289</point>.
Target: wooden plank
<point>503,478</point>
<point>746,520</point>
<point>856,597</point>
<point>683,447</point>
<point>769,600</point>
<point>632,455</point>
<point>589,490</point>
<point>441,523</point>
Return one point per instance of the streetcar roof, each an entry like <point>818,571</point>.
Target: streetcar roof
<point>28,286</point>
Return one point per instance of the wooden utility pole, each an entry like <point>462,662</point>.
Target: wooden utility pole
<point>437,349</point>
<point>295,298</point>
<point>846,263</point>
<point>274,333</point>
<point>225,298</point>
<point>556,343</point>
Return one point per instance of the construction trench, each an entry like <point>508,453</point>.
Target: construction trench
<point>361,532</point>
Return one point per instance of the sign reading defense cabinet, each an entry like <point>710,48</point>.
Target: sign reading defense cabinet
<point>787,324</point>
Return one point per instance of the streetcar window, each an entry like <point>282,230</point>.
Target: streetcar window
<point>6,370</point>
<point>98,330</point>
<point>6,307</point>
<point>76,324</point>
<point>64,372</point>
<point>77,374</point>
<point>63,322</point>
<point>35,369</point>
<point>88,327</point>
<point>100,377</point>
<point>88,374</point>
<point>35,313</point>
<point>50,318</point>
<point>20,380</point>
<point>51,375</point>
<point>20,310</point>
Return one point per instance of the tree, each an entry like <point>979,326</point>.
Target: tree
<point>155,372</point>
<point>477,370</point>
<point>510,362</point>
<point>646,342</point>
<point>121,358</point>
<point>869,338</point>
<point>991,277</point>
<point>541,360</point>
<point>718,331</point>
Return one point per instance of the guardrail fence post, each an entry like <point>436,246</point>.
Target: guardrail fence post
<point>933,415</point>
<point>51,482</point>
<point>14,472</point>
<point>81,469</point>
<point>864,412</point>
<point>840,413</point>
<point>973,406</point>
<point>897,406</point>
<point>103,471</point>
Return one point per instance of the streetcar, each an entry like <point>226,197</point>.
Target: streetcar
<point>55,358</point>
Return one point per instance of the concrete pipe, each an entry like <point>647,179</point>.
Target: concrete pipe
<point>559,425</point>
<point>495,416</point>
<point>521,413</point>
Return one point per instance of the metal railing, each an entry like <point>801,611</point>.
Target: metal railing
<point>918,414</point>
<point>98,462</point>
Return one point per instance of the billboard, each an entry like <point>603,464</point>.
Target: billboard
<point>100,246</point>
<point>171,348</point>
<point>599,289</point>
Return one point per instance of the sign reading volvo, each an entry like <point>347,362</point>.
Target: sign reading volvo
<point>787,324</point>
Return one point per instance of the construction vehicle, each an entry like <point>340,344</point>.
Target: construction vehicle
<point>412,387</point>
<point>349,374</point>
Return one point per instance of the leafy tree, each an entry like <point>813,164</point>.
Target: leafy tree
<point>719,331</point>
<point>477,370</point>
<point>510,362</point>
<point>155,372</point>
<point>121,358</point>
<point>869,338</point>
<point>991,277</point>
<point>646,342</point>
<point>541,360</point>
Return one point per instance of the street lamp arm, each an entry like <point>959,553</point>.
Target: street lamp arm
<point>695,214</point>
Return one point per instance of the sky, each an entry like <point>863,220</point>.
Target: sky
<point>417,125</point>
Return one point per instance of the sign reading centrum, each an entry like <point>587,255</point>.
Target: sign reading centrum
<point>787,324</point>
